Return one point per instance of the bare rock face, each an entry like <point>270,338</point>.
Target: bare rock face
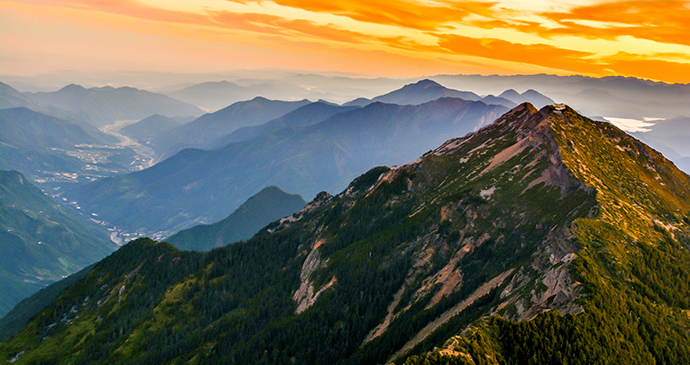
<point>532,217</point>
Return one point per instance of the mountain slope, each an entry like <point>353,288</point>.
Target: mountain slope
<point>206,129</point>
<point>32,305</point>
<point>24,127</point>
<point>41,241</point>
<point>11,98</point>
<point>266,206</point>
<point>632,260</point>
<point>530,96</point>
<point>196,187</point>
<point>150,127</point>
<point>216,95</point>
<point>425,91</point>
<point>57,152</point>
<point>674,133</point>
<point>421,92</point>
<point>541,210</point>
<point>307,115</point>
<point>105,105</point>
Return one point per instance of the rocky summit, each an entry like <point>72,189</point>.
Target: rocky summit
<point>544,237</point>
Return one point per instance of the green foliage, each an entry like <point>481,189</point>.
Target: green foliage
<point>373,256</point>
<point>41,241</point>
<point>633,268</point>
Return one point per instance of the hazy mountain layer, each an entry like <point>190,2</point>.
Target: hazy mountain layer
<point>266,206</point>
<point>149,128</point>
<point>11,98</point>
<point>216,95</point>
<point>105,105</point>
<point>197,186</point>
<point>425,91</point>
<point>530,96</point>
<point>614,96</point>
<point>307,115</point>
<point>57,152</point>
<point>41,241</point>
<point>575,234</point>
<point>208,128</point>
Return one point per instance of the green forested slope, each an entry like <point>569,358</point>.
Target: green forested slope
<point>553,238</point>
<point>633,263</point>
<point>41,241</point>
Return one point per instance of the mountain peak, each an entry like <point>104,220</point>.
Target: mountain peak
<point>426,83</point>
<point>72,88</point>
<point>509,94</point>
<point>544,209</point>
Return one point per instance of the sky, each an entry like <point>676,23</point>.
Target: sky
<point>394,38</point>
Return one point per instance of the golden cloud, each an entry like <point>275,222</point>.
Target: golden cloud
<point>427,16</point>
<point>665,21</point>
<point>534,54</point>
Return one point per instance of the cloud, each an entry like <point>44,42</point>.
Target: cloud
<point>418,15</point>
<point>643,66</point>
<point>429,31</point>
<point>665,21</point>
<point>534,54</point>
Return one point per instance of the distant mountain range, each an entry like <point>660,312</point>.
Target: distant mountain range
<point>428,90</point>
<point>266,206</point>
<point>310,114</point>
<point>418,93</point>
<point>213,96</point>
<point>244,119</point>
<point>197,186</point>
<point>98,106</point>
<point>615,96</point>
<point>41,240</point>
<point>543,238</point>
<point>208,128</point>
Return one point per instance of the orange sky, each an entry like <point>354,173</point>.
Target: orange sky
<point>646,39</point>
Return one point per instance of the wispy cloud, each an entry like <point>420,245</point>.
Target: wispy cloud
<point>632,37</point>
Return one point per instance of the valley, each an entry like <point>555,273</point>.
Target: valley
<point>405,182</point>
<point>437,224</point>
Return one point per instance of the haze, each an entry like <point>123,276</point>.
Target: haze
<point>42,42</point>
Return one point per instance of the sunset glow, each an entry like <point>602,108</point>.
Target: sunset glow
<point>646,39</point>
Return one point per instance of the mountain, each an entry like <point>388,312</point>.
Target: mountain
<point>427,90</point>
<point>57,152</point>
<point>105,105</point>
<point>199,187</point>
<point>150,127</point>
<point>25,127</point>
<point>307,115</point>
<point>205,130</point>
<point>544,237</point>
<point>41,241</point>
<point>20,315</point>
<point>530,96</point>
<point>11,98</point>
<point>266,206</point>
<point>418,93</point>
<point>615,96</point>
<point>216,95</point>
<point>673,132</point>
<point>671,137</point>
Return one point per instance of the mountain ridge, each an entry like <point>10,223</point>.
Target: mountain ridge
<point>555,211</point>
<point>42,241</point>
<point>303,160</point>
